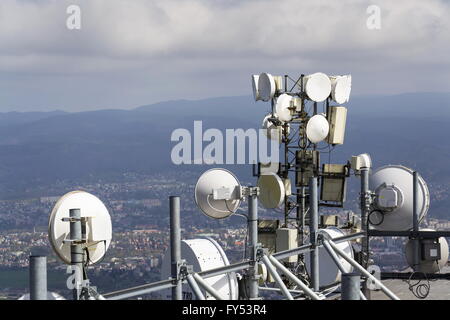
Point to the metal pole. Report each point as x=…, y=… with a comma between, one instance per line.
x=338, y=263
x=198, y=293
x=175, y=246
x=207, y=287
x=365, y=207
x=38, y=278
x=364, y=213
x=291, y=276
x=416, y=241
x=313, y=229
x=361, y=269
x=139, y=291
x=76, y=251
x=350, y=286
x=252, y=245
x=277, y=278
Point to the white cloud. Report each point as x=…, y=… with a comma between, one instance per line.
x=181, y=40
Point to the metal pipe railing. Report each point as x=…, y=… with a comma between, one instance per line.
x=207, y=287
x=226, y=269
x=291, y=276
x=277, y=278
x=307, y=247
x=361, y=269
x=338, y=263
x=140, y=290
x=150, y=287
x=193, y=284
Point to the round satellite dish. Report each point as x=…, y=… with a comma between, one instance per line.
x=317, y=86
x=329, y=273
x=271, y=190
x=341, y=87
x=203, y=254
x=217, y=193
x=266, y=86
x=282, y=105
x=393, y=187
x=428, y=266
x=98, y=226
x=317, y=128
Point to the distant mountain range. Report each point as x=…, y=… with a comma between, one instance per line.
x=43, y=147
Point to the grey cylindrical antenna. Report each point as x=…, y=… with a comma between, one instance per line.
x=175, y=246
x=38, y=278
x=252, y=244
x=76, y=251
x=351, y=286
x=314, y=227
x=416, y=241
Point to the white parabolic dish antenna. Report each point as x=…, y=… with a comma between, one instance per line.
x=317, y=86
x=217, y=193
x=271, y=190
x=204, y=254
x=266, y=86
x=393, y=187
x=317, y=128
x=329, y=273
x=98, y=225
x=282, y=106
x=341, y=86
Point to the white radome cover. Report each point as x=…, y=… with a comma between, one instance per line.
x=341, y=87
x=203, y=254
x=282, y=106
x=317, y=128
x=317, y=86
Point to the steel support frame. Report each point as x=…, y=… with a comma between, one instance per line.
x=361, y=269
x=166, y=284
x=338, y=263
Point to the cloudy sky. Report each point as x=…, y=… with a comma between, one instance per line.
x=135, y=52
